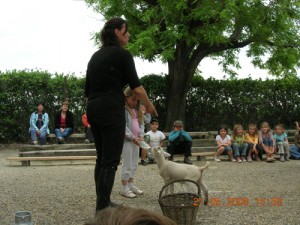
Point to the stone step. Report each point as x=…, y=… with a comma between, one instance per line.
x=204, y=149
x=24, y=148
x=66, y=152
x=204, y=142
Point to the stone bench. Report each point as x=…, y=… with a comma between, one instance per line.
x=73, y=138
x=26, y=160
x=204, y=145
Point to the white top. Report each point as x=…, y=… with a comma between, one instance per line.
x=223, y=141
x=156, y=138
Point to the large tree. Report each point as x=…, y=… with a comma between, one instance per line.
x=183, y=32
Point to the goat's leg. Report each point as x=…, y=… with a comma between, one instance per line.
x=204, y=191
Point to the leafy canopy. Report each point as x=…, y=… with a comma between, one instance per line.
x=213, y=28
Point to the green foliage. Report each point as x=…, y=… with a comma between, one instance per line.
x=156, y=87
x=160, y=28
x=21, y=90
x=213, y=102
x=210, y=102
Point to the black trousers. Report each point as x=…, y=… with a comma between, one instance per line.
x=184, y=147
x=107, y=119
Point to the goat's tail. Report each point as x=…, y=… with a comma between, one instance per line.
x=204, y=167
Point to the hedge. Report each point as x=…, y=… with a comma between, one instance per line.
x=210, y=102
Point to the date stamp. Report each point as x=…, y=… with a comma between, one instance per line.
x=240, y=201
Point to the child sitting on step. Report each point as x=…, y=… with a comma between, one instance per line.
x=281, y=143
x=223, y=144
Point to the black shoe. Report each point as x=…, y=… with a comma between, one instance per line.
x=187, y=160
x=144, y=163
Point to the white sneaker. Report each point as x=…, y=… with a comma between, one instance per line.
x=136, y=191
x=217, y=159
x=233, y=159
x=127, y=193
x=239, y=160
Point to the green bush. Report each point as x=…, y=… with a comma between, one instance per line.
x=210, y=102
x=21, y=90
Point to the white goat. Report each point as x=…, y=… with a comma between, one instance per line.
x=171, y=171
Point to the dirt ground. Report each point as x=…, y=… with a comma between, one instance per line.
x=63, y=193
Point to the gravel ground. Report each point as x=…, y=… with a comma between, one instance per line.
x=63, y=193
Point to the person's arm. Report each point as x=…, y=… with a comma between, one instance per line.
x=32, y=121
x=173, y=135
x=84, y=120
x=232, y=139
x=248, y=138
x=162, y=138
x=141, y=94
x=87, y=85
x=227, y=141
x=128, y=134
x=186, y=135
x=45, y=122
x=218, y=140
x=274, y=142
x=260, y=140
x=286, y=139
x=255, y=139
x=134, y=82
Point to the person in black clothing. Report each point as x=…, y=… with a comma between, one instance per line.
x=109, y=70
x=64, y=123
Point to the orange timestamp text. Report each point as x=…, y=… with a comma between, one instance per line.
x=240, y=201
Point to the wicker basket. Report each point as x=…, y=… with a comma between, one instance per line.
x=178, y=204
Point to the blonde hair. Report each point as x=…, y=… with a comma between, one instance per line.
x=265, y=124
x=123, y=215
x=235, y=128
x=129, y=93
x=254, y=126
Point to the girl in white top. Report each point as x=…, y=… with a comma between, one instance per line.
x=223, y=144
x=130, y=154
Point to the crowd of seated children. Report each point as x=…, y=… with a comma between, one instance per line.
x=240, y=146
x=253, y=143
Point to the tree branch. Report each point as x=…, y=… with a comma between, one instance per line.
x=205, y=49
x=270, y=43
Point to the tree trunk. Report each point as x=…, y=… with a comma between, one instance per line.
x=179, y=78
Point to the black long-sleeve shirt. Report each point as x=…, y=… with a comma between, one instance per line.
x=110, y=69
